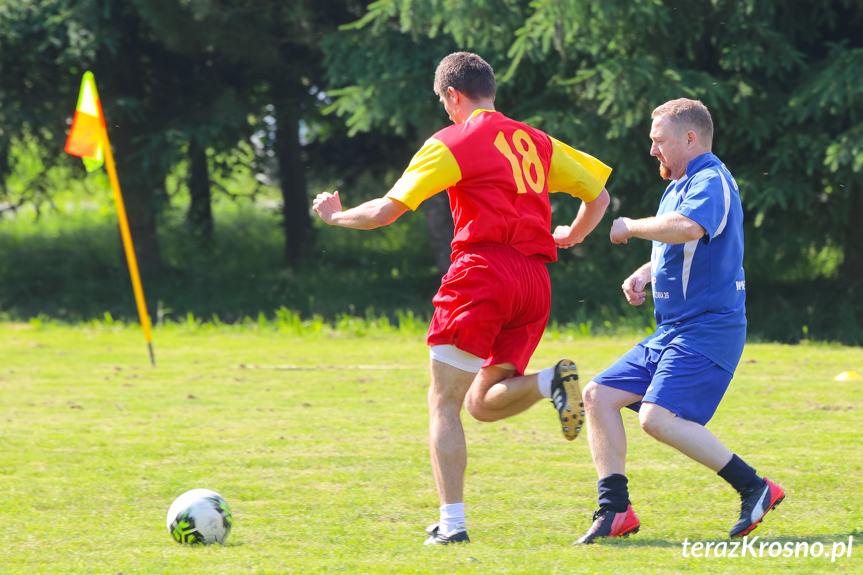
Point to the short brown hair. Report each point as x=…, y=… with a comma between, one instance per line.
x=692, y=114
x=466, y=72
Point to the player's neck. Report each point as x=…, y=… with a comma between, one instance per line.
x=485, y=104
x=469, y=111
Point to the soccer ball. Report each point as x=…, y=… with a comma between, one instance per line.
x=199, y=516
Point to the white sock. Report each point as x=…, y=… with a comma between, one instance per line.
x=452, y=518
x=543, y=381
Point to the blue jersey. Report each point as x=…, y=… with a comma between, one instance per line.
x=699, y=288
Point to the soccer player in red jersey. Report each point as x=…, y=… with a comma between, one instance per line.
x=493, y=303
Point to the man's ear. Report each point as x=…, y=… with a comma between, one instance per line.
x=454, y=95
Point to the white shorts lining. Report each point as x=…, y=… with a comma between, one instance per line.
x=451, y=355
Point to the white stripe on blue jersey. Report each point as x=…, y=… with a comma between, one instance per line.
x=699, y=286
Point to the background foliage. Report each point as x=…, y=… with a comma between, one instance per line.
x=226, y=117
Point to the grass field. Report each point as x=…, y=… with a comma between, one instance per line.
x=316, y=437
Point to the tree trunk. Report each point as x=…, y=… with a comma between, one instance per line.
x=441, y=229
x=141, y=187
x=436, y=209
x=200, y=214
x=292, y=178
x=4, y=167
x=141, y=211
x=141, y=174
x=851, y=270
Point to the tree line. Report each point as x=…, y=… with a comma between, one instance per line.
x=336, y=90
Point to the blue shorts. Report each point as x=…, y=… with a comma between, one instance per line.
x=682, y=381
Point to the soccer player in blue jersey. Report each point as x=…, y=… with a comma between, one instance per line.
x=676, y=377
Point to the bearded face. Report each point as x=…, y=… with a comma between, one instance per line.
x=669, y=146
x=664, y=172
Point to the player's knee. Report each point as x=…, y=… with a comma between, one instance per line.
x=477, y=410
x=591, y=395
x=648, y=423
x=652, y=420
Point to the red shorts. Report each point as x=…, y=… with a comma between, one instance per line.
x=494, y=303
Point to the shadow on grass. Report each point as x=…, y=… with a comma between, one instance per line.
x=846, y=538
x=635, y=541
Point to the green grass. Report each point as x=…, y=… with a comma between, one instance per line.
x=316, y=436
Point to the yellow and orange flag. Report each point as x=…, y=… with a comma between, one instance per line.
x=88, y=139
x=88, y=134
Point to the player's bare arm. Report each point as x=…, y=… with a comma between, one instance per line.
x=589, y=215
x=670, y=228
x=634, y=286
x=366, y=216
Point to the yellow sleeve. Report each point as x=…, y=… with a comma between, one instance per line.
x=576, y=173
x=432, y=169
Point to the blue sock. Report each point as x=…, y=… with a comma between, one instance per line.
x=613, y=493
x=741, y=476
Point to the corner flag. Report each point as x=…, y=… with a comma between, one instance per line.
x=88, y=139
x=88, y=133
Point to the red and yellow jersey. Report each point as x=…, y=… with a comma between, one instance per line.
x=498, y=173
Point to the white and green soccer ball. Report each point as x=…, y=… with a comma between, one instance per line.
x=199, y=516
